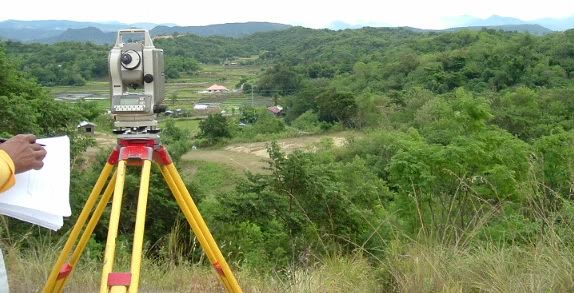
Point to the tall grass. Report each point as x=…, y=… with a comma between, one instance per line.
x=410, y=266
x=428, y=262
x=539, y=267
x=28, y=270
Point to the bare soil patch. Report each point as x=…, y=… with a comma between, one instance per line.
x=253, y=157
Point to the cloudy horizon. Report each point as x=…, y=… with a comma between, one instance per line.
x=438, y=14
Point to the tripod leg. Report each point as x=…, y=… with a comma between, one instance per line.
x=95, y=218
x=192, y=222
x=221, y=265
x=113, y=225
x=140, y=226
x=52, y=278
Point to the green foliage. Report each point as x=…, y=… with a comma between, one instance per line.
x=267, y=123
x=306, y=203
x=214, y=128
x=248, y=114
x=443, y=119
x=444, y=188
x=62, y=63
x=304, y=100
x=256, y=123
x=308, y=122
x=530, y=114
x=176, y=65
x=556, y=155
x=278, y=80
x=333, y=106
x=177, y=140
x=27, y=108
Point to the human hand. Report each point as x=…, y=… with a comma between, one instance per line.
x=25, y=152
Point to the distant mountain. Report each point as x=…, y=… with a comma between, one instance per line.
x=53, y=31
x=27, y=34
x=89, y=34
x=555, y=24
x=534, y=29
x=494, y=20
x=226, y=30
x=341, y=25
x=560, y=24
x=523, y=28
x=62, y=25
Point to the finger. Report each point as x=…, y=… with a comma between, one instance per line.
x=38, y=165
x=37, y=147
x=28, y=137
x=40, y=154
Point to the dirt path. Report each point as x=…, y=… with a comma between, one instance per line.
x=253, y=156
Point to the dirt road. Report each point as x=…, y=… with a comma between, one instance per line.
x=253, y=156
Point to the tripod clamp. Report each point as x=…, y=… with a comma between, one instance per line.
x=135, y=149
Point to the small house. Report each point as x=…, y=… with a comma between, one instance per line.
x=276, y=110
x=87, y=127
x=216, y=88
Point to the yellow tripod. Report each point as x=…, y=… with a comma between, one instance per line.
x=137, y=150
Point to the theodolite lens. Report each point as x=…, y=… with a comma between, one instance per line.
x=126, y=58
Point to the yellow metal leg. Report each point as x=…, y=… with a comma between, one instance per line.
x=51, y=282
x=88, y=231
x=119, y=289
x=113, y=226
x=140, y=227
x=192, y=222
x=184, y=193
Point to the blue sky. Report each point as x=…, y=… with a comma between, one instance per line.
x=314, y=14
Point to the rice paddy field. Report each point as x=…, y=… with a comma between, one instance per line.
x=185, y=92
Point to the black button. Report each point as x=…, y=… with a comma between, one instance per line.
x=148, y=78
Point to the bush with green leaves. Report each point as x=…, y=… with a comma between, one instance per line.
x=555, y=157
x=308, y=204
x=214, y=128
x=309, y=122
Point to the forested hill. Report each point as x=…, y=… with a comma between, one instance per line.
x=376, y=59
x=534, y=29
x=224, y=30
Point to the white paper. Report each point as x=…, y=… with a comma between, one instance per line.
x=42, y=197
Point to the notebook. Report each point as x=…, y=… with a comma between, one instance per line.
x=42, y=197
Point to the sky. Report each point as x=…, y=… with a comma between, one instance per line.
x=435, y=14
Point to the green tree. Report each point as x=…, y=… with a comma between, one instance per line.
x=214, y=128
x=336, y=106
x=279, y=79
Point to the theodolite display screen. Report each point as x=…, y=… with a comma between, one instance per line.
x=130, y=101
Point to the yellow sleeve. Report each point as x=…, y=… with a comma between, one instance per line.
x=7, y=168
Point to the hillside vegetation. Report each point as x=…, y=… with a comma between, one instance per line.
x=462, y=179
